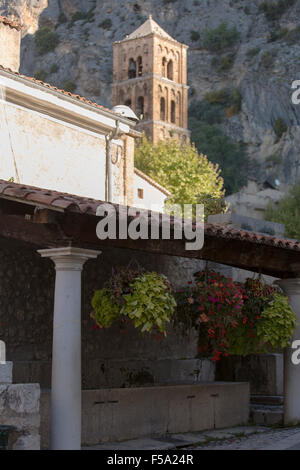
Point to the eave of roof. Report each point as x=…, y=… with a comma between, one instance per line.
x=152, y=182
x=45, y=218
x=67, y=202
x=75, y=97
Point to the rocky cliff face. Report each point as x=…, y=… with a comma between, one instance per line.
x=262, y=64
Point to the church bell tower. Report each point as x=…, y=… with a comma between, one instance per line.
x=150, y=76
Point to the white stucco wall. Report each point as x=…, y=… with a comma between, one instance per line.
x=153, y=199
x=53, y=154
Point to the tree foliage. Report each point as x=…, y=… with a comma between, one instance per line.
x=191, y=178
x=287, y=212
x=45, y=40
x=220, y=38
x=221, y=150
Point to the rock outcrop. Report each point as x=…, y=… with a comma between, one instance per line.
x=263, y=62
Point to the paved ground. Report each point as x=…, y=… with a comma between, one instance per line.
x=238, y=438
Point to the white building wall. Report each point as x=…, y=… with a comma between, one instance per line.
x=52, y=154
x=153, y=198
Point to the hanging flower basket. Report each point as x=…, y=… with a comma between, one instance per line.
x=234, y=318
x=131, y=295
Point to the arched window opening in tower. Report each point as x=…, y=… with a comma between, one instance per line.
x=128, y=103
x=140, y=66
x=132, y=69
x=164, y=62
x=173, y=112
x=162, y=109
x=170, y=70
x=140, y=107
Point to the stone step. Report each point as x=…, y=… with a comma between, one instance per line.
x=267, y=415
x=266, y=399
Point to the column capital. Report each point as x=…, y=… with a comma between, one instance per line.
x=69, y=258
x=290, y=286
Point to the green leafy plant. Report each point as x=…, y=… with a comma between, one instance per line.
x=226, y=62
x=195, y=36
x=252, y=52
x=287, y=212
x=106, y=24
x=225, y=97
x=235, y=318
x=145, y=298
x=274, y=159
x=54, y=68
x=280, y=127
x=220, y=38
x=243, y=339
x=220, y=149
x=267, y=59
x=45, y=40
x=274, y=10
x=191, y=178
x=105, y=310
x=278, y=321
x=40, y=75
x=69, y=86
x=215, y=305
x=277, y=35
x=151, y=303
x=61, y=19
x=87, y=16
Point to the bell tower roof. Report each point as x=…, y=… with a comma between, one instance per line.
x=149, y=27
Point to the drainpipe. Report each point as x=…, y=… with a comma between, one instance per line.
x=108, y=170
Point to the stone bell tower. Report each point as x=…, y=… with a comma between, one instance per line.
x=150, y=76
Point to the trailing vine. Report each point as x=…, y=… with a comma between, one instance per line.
x=144, y=298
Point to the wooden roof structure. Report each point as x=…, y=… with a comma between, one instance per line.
x=46, y=219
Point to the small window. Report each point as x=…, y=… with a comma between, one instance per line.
x=173, y=112
x=140, y=107
x=140, y=66
x=132, y=69
x=170, y=70
x=162, y=109
x=140, y=193
x=128, y=103
x=163, y=64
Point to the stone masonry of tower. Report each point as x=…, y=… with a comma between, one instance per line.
x=150, y=76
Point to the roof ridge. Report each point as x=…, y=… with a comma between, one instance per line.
x=150, y=26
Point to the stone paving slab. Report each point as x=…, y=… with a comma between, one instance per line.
x=176, y=441
x=135, y=444
x=270, y=439
x=190, y=438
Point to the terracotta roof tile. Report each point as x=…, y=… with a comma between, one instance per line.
x=73, y=203
x=11, y=22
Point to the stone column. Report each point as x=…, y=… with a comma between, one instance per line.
x=66, y=351
x=291, y=390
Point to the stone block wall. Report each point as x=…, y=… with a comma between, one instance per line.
x=19, y=407
x=109, y=359
x=264, y=372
